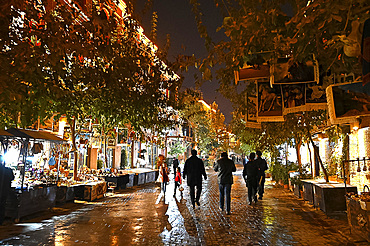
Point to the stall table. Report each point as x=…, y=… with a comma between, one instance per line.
x=27, y=202
x=307, y=186
x=120, y=181
x=150, y=176
x=90, y=191
x=65, y=194
x=330, y=197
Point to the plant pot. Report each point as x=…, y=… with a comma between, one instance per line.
x=286, y=186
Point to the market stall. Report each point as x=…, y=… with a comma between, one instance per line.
x=27, y=153
x=328, y=196
x=90, y=191
x=119, y=180
x=308, y=192
x=30, y=201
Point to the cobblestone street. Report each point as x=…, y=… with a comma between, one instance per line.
x=143, y=216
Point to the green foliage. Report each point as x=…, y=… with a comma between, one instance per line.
x=88, y=68
x=317, y=27
x=100, y=164
x=177, y=149
x=280, y=171
x=124, y=162
x=297, y=180
x=207, y=124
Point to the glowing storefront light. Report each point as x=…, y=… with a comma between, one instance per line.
x=11, y=157
x=361, y=141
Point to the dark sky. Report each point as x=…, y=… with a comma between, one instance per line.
x=176, y=18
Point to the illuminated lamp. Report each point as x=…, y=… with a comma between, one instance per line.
x=62, y=124
x=356, y=125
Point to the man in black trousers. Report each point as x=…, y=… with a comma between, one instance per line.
x=262, y=167
x=193, y=172
x=225, y=168
x=250, y=174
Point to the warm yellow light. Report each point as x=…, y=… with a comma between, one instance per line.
x=62, y=124
x=207, y=105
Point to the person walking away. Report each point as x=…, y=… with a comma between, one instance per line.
x=250, y=174
x=178, y=181
x=163, y=176
x=175, y=165
x=225, y=168
x=6, y=177
x=193, y=172
x=262, y=167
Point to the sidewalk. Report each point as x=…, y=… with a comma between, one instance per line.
x=143, y=216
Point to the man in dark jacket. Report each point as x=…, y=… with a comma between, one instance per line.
x=225, y=168
x=6, y=177
x=262, y=167
x=193, y=171
x=250, y=174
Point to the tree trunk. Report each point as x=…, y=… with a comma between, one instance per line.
x=132, y=152
x=298, y=150
x=309, y=151
x=318, y=157
x=74, y=148
x=106, y=151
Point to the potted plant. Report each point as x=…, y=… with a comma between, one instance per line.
x=296, y=181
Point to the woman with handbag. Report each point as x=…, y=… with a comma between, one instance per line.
x=163, y=175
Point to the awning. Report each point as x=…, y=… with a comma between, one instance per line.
x=5, y=133
x=31, y=134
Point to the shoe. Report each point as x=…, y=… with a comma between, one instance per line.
x=249, y=203
x=193, y=205
x=255, y=199
x=198, y=203
x=228, y=212
x=221, y=209
x=260, y=197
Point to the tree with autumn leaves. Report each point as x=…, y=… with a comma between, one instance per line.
x=91, y=64
x=210, y=134
x=329, y=30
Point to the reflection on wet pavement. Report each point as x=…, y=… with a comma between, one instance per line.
x=144, y=216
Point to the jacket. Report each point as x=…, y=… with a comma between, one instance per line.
x=225, y=168
x=261, y=165
x=193, y=171
x=250, y=171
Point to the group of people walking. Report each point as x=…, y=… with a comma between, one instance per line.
x=194, y=172
x=254, y=176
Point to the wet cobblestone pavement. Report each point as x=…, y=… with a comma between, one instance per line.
x=143, y=216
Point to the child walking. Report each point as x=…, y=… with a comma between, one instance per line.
x=178, y=181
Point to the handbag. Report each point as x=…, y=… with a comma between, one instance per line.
x=181, y=188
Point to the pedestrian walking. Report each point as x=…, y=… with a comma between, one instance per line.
x=225, y=168
x=160, y=160
x=175, y=165
x=193, y=172
x=262, y=167
x=163, y=176
x=178, y=181
x=250, y=174
x=6, y=177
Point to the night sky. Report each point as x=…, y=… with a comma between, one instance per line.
x=176, y=18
